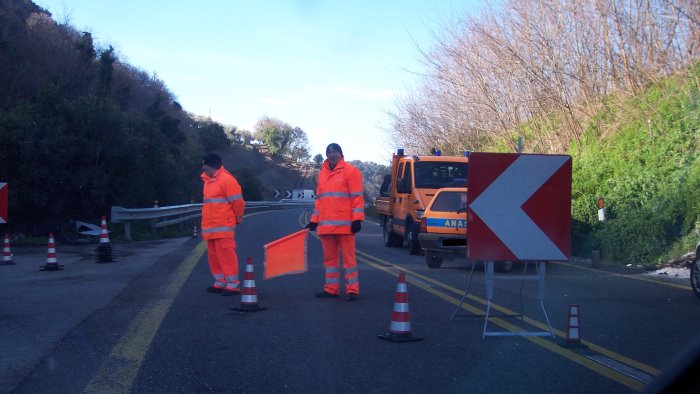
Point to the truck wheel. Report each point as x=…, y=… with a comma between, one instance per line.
x=390, y=239
x=412, y=240
x=432, y=260
x=695, y=275
x=504, y=266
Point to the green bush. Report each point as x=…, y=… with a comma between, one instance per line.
x=647, y=170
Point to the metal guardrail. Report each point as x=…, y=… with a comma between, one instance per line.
x=166, y=216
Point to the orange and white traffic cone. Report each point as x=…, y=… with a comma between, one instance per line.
x=104, y=233
x=400, y=327
x=104, y=249
x=6, y=252
x=51, y=259
x=249, y=296
x=573, y=327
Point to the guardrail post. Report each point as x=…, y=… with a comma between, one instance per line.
x=127, y=230
x=154, y=221
x=193, y=222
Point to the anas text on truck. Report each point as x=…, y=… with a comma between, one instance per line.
x=409, y=188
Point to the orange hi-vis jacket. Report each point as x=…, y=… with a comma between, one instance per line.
x=222, y=206
x=339, y=199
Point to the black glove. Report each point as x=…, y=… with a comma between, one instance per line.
x=312, y=226
x=356, y=226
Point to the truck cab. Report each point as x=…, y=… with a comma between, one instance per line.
x=443, y=232
x=410, y=187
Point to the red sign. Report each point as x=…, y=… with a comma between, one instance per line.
x=3, y=202
x=519, y=207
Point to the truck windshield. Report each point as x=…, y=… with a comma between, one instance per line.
x=434, y=175
x=450, y=202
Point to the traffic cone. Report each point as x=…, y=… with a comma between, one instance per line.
x=51, y=260
x=104, y=249
x=104, y=233
x=400, y=327
x=573, y=327
x=194, y=233
x=6, y=252
x=249, y=297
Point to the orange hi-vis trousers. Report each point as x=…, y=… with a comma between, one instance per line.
x=334, y=246
x=223, y=263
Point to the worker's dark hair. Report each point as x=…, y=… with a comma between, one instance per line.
x=334, y=147
x=212, y=160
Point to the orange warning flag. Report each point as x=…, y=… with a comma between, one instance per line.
x=286, y=256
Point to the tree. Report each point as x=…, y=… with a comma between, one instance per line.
x=318, y=160
x=245, y=136
x=212, y=136
x=86, y=48
x=107, y=60
x=283, y=140
x=269, y=131
x=298, y=146
x=240, y=137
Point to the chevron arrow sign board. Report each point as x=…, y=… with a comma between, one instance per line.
x=519, y=207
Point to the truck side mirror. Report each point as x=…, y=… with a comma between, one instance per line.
x=401, y=185
x=384, y=190
x=408, y=180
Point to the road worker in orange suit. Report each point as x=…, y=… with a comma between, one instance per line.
x=337, y=216
x=222, y=210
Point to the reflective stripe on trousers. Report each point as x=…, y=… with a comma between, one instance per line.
x=335, y=246
x=223, y=263
x=219, y=281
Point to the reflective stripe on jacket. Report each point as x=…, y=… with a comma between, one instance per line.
x=339, y=199
x=222, y=206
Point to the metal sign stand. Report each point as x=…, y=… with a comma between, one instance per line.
x=539, y=275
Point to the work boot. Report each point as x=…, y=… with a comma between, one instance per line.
x=325, y=294
x=230, y=292
x=213, y=289
x=352, y=297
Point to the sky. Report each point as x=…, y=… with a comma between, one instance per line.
x=331, y=68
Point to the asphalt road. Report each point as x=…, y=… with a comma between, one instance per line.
x=38, y=309
x=145, y=324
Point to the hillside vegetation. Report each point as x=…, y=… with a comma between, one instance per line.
x=642, y=155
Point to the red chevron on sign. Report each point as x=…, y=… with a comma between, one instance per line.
x=519, y=207
x=3, y=202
